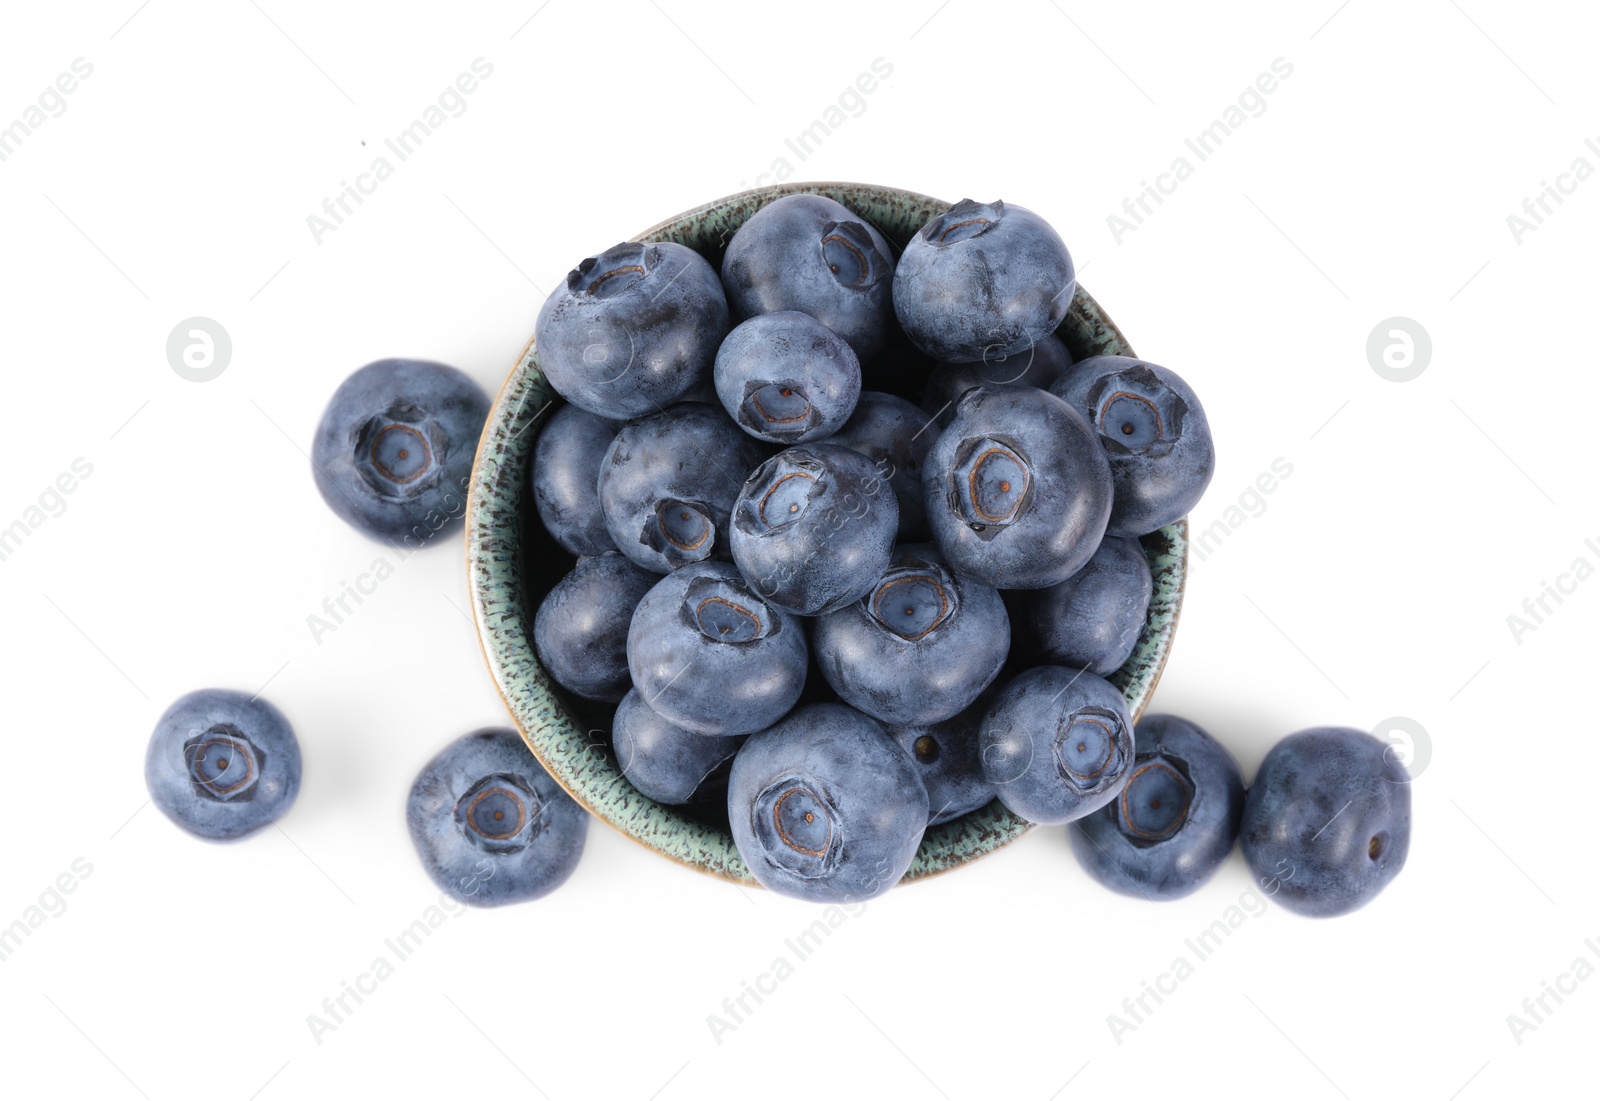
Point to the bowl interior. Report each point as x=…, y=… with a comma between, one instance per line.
x=512, y=562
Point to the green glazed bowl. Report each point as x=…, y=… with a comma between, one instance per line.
x=512, y=563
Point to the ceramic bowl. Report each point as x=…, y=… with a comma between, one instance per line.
x=512, y=563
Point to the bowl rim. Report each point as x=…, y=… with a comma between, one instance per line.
x=992, y=827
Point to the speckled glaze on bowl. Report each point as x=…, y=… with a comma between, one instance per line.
x=502, y=525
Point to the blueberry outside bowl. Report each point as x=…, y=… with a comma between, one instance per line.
x=512, y=563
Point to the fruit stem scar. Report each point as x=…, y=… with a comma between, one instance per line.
x=777, y=822
x=404, y=453
x=1127, y=428
x=949, y=229
x=1005, y=486
x=766, y=497
x=472, y=817
x=630, y=269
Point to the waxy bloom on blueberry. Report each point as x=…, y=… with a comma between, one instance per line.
x=1327, y=820
x=813, y=527
x=632, y=330
x=981, y=281
x=812, y=254
x=786, y=378
x=668, y=481
x=1017, y=488
x=919, y=646
x=1057, y=744
x=664, y=761
x=710, y=655
x=1155, y=435
x=566, y=465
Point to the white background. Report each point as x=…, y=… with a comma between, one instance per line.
x=1374, y=582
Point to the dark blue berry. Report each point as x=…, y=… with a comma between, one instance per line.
x=394, y=449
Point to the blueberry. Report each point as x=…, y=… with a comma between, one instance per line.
x=581, y=630
x=490, y=825
x=711, y=656
x=1017, y=488
x=982, y=280
x=1092, y=619
x=813, y=527
x=1175, y=821
x=394, y=449
x=1038, y=365
x=949, y=759
x=896, y=436
x=222, y=764
x=919, y=646
x=1154, y=432
x=566, y=466
x=825, y=807
x=1327, y=822
x=1057, y=744
x=664, y=761
x=785, y=377
x=667, y=484
x=632, y=330
x=809, y=253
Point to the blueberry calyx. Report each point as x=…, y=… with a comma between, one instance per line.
x=784, y=488
x=618, y=269
x=724, y=612
x=224, y=765
x=1089, y=747
x=913, y=601
x=399, y=452
x=1137, y=412
x=499, y=814
x=993, y=483
x=778, y=409
x=851, y=256
x=680, y=531
x=962, y=222
x=1155, y=803
x=799, y=821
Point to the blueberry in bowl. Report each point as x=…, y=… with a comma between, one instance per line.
x=668, y=482
x=634, y=329
x=813, y=254
x=1174, y=822
x=222, y=765
x=710, y=655
x=824, y=807
x=663, y=760
x=1155, y=435
x=1017, y=488
x=949, y=757
x=786, y=378
x=1092, y=619
x=489, y=824
x=566, y=467
x=919, y=646
x=393, y=452
x=581, y=630
x=896, y=436
x=512, y=562
x=1038, y=365
x=813, y=527
x=983, y=280
x=1057, y=743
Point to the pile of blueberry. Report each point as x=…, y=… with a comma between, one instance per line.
x=855, y=545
